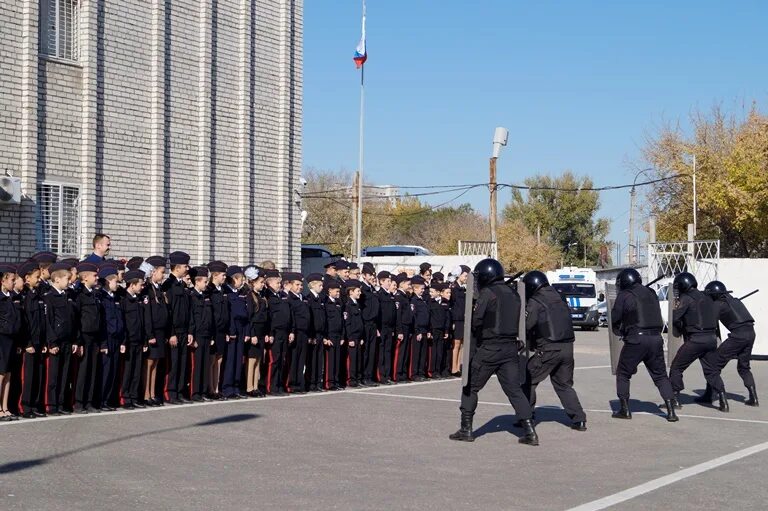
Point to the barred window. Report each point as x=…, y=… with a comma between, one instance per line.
x=60, y=28
x=59, y=218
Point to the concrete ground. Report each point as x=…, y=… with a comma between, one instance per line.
x=387, y=448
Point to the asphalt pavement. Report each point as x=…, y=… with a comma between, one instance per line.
x=388, y=448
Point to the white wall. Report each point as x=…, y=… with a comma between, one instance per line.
x=743, y=276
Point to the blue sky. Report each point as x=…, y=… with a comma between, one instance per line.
x=579, y=85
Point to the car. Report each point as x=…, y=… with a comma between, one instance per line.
x=395, y=251
x=602, y=314
x=315, y=257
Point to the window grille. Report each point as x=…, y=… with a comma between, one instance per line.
x=60, y=28
x=59, y=215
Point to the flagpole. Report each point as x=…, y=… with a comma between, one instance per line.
x=359, y=226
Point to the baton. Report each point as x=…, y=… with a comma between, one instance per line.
x=654, y=281
x=514, y=277
x=749, y=294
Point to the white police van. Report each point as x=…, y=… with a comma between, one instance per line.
x=577, y=287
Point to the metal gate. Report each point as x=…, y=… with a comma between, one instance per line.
x=700, y=258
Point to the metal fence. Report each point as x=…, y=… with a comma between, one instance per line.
x=478, y=248
x=701, y=258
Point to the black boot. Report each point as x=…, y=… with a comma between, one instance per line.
x=706, y=397
x=529, y=437
x=752, y=401
x=519, y=423
x=623, y=412
x=671, y=416
x=722, y=402
x=579, y=426
x=464, y=434
x=676, y=401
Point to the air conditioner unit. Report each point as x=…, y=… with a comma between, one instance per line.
x=10, y=190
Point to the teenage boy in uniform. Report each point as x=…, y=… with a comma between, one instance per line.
x=32, y=402
x=134, y=345
x=114, y=322
x=388, y=325
x=334, y=335
x=301, y=319
x=60, y=335
x=353, y=332
x=404, y=327
x=201, y=327
x=317, y=332
x=91, y=340
x=371, y=308
x=421, y=334
x=180, y=339
x=280, y=332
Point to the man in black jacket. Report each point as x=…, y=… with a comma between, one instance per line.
x=388, y=325
x=134, y=344
x=316, y=333
x=371, y=309
x=91, y=339
x=202, y=329
x=301, y=320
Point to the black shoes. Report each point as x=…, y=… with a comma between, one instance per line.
x=579, y=426
x=706, y=397
x=464, y=434
x=671, y=416
x=676, y=401
x=623, y=412
x=752, y=401
x=529, y=433
x=722, y=402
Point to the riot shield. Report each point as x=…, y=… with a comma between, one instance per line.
x=674, y=338
x=615, y=342
x=522, y=334
x=469, y=342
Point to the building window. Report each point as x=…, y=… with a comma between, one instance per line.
x=59, y=215
x=60, y=28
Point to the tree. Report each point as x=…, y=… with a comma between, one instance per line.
x=564, y=212
x=731, y=178
x=402, y=221
x=519, y=249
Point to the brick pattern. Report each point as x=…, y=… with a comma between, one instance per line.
x=181, y=124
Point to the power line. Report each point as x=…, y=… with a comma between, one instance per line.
x=590, y=188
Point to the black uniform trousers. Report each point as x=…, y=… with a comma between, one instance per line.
x=233, y=366
x=177, y=376
x=276, y=351
x=370, y=351
x=353, y=365
x=315, y=364
x=402, y=356
x=58, y=369
x=332, y=359
x=649, y=349
x=32, y=374
x=700, y=347
x=110, y=367
x=134, y=356
x=555, y=361
x=418, y=356
x=502, y=360
x=89, y=376
x=297, y=351
x=737, y=346
x=385, y=353
x=201, y=368
x=436, y=353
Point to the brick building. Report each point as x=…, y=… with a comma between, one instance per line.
x=168, y=124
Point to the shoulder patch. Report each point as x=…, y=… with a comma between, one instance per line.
x=397, y=304
x=346, y=315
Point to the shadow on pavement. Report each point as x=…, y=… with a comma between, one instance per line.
x=502, y=423
x=16, y=466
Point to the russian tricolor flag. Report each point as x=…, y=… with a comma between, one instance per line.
x=361, y=53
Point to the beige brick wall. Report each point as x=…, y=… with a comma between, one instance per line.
x=181, y=123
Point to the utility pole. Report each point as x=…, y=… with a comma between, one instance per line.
x=538, y=234
x=492, y=208
x=694, y=195
x=500, y=136
x=630, y=255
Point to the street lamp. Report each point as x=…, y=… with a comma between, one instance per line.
x=500, y=137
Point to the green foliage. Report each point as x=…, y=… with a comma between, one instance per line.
x=566, y=218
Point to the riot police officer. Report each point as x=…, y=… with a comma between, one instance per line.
x=495, y=331
x=695, y=316
x=550, y=331
x=740, y=324
x=636, y=317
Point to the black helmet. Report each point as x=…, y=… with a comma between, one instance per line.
x=684, y=282
x=534, y=280
x=627, y=278
x=488, y=271
x=715, y=289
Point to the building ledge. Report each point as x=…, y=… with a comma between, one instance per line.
x=59, y=60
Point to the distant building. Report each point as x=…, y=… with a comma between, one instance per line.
x=170, y=125
x=388, y=192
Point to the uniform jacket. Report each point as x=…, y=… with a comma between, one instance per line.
x=156, y=317
x=334, y=319
x=404, y=313
x=60, y=324
x=317, y=311
x=258, y=313
x=353, y=321
x=421, y=322
x=90, y=314
x=178, y=306
x=133, y=313
x=114, y=319
x=279, y=311
x=439, y=315
x=239, y=319
x=34, y=312
x=301, y=317
x=201, y=322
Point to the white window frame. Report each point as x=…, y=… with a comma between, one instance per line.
x=58, y=248
x=53, y=42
